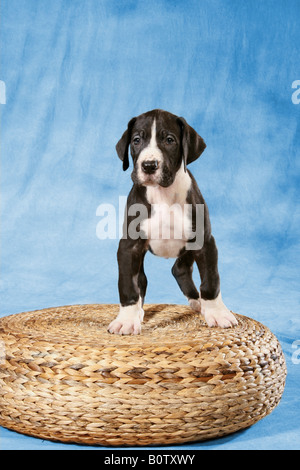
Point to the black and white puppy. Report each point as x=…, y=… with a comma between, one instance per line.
x=162, y=145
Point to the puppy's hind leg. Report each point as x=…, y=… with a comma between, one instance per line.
x=213, y=308
x=182, y=271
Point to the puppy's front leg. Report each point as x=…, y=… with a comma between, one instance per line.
x=130, y=259
x=129, y=320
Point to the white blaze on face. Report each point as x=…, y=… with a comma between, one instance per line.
x=150, y=153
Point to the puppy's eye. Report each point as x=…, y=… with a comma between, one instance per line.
x=170, y=139
x=136, y=140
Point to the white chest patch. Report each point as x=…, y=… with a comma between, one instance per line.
x=169, y=227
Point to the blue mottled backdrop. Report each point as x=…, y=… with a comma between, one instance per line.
x=75, y=72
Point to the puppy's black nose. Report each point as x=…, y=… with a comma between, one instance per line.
x=150, y=166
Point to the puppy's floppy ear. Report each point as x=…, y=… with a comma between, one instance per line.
x=123, y=144
x=192, y=144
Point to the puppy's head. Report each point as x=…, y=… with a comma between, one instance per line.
x=159, y=142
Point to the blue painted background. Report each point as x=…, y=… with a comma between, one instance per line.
x=75, y=72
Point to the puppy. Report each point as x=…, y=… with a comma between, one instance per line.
x=162, y=145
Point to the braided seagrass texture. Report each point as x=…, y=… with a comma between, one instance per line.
x=63, y=377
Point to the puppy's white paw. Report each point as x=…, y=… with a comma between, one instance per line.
x=224, y=319
x=217, y=314
x=195, y=304
x=122, y=327
x=129, y=320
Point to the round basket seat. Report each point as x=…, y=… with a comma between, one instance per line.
x=63, y=377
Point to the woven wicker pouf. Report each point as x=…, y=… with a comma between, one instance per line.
x=63, y=377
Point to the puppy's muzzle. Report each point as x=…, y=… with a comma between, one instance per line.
x=149, y=166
